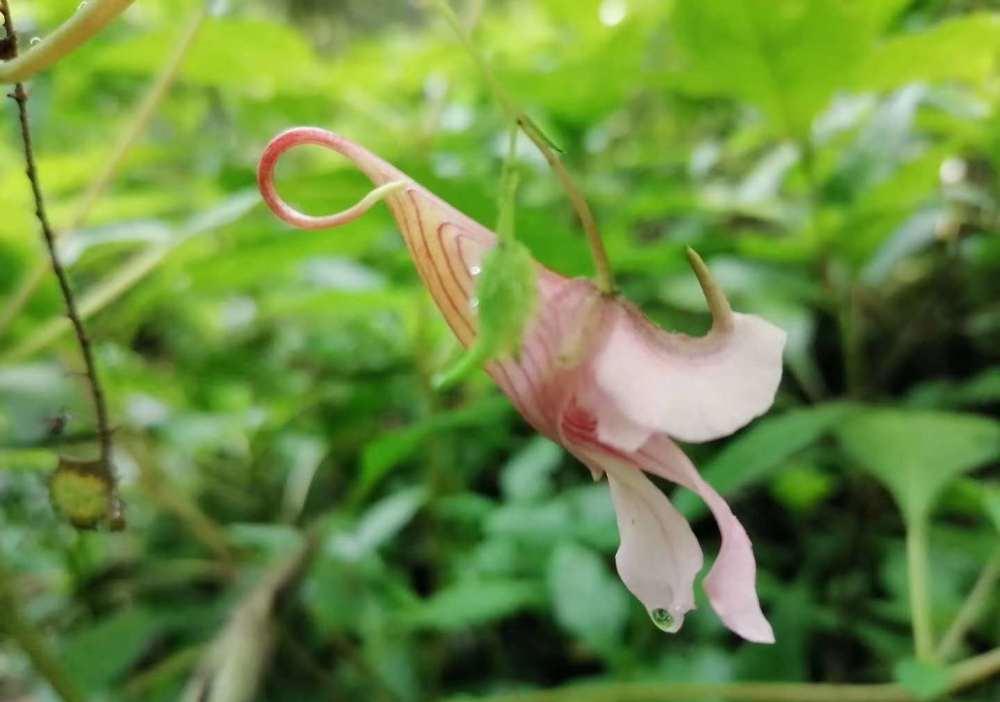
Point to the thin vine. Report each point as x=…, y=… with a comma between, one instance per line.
x=20, y=97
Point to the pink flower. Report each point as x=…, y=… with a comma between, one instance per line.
x=596, y=376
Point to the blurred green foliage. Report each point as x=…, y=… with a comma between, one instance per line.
x=836, y=161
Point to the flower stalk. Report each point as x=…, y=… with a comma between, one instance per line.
x=605, y=279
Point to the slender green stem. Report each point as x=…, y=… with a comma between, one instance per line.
x=920, y=606
x=602, y=265
x=605, y=274
x=508, y=190
x=962, y=676
x=22, y=632
x=971, y=609
x=90, y=18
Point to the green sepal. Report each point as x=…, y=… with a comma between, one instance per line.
x=507, y=291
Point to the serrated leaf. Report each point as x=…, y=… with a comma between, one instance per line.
x=916, y=453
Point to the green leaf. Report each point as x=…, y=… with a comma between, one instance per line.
x=925, y=681
x=475, y=602
x=963, y=48
x=97, y=655
x=392, y=448
x=528, y=474
x=220, y=57
x=991, y=503
x=787, y=57
x=589, y=601
x=915, y=453
x=380, y=524
x=388, y=516
x=802, y=486
x=762, y=449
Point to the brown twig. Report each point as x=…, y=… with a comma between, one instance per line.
x=20, y=96
x=128, y=136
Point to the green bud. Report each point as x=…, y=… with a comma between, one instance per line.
x=82, y=491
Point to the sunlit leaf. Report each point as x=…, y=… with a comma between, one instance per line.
x=962, y=48
x=787, y=57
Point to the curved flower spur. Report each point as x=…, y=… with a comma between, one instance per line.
x=600, y=379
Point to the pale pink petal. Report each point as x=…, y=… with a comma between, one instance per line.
x=731, y=583
x=691, y=388
x=658, y=556
x=598, y=377
x=614, y=427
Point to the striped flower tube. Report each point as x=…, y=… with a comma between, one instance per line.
x=597, y=377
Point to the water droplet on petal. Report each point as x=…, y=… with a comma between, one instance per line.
x=34, y=40
x=475, y=270
x=664, y=620
x=473, y=302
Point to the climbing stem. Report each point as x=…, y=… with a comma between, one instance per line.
x=129, y=134
x=20, y=97
x=602, y=265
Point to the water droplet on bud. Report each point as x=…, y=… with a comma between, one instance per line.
x=473, y=302
x=34, y=40
x=475, y=270
x=82, y=5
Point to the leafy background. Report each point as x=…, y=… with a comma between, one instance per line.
x=837, y=163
